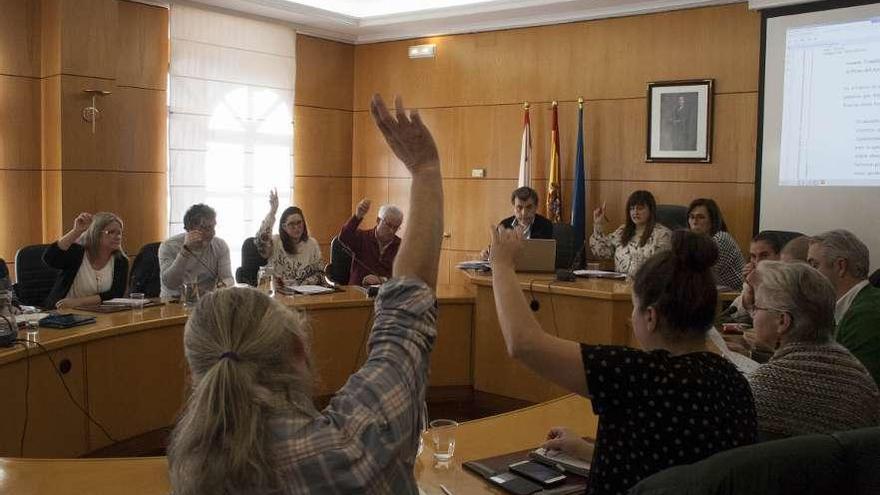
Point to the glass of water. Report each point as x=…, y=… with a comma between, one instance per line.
x=137, y=303
x=189, y=295
x=443, y=436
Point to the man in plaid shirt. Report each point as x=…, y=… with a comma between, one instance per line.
x=365, y=441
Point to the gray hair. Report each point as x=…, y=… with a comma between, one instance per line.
x=843, y=244
x=91, y=238
x=804, y=293
x=249, y=357
x=384, y=210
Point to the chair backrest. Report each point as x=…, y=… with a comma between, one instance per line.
x=340, y=262
x=251, y=261
x=844, y=462
x=875, y=278
x=673, y=217
x=564, y=235
x=783, y=235
x=4, y=271
x=34, y=278
x=145, y=275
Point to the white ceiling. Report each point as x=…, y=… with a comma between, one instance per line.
x=369, y=21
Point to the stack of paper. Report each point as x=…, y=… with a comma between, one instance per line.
x=599, y=274
x=474, y=265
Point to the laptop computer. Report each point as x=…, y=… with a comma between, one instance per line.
x=537, y=255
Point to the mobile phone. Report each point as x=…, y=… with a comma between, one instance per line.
x=544, y=475
x=514, y=484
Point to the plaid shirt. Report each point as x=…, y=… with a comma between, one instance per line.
x=365, y=441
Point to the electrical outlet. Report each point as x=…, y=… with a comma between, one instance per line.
x=478, y=172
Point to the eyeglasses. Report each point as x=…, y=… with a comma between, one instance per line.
x=294, y=223
x=112, y=232
x=755, y=308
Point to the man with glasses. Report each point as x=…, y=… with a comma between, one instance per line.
x=373, y=251
x=195, y=257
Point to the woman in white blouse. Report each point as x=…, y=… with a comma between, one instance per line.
x=293, y=255
x=636, y=240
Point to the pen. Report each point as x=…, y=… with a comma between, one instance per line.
x=445, y=490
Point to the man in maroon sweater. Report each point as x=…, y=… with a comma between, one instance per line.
x=373, y=250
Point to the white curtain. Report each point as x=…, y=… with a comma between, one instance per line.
x=230, y=119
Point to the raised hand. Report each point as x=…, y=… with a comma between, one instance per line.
x=82, y=221
x=506, y=245
x=273, y=201
x=599, y=215
x=407, y=136
x=193, y=238
x=362, y=208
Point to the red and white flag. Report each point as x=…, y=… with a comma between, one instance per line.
x=525, y=157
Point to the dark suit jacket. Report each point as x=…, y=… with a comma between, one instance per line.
x=542, y=228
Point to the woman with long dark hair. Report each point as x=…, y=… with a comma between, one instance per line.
x=636, y=240
x=292, y=254
x=704, y=217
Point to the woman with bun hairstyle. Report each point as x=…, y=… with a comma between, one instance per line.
x=673, y=402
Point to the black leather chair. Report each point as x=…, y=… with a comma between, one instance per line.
x=34, y=279
x=251, y=261
x=564, y=235
x=145, y=275
x=340, y=262
x=783, y=235
x=844, y=462
x=4, y=271
x=875, y=278
x=673, y=217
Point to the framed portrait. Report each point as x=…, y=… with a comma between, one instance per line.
x=680, y=121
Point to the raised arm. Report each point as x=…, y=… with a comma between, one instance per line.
x=556, y=359
x=413, y=144
x=263, y=239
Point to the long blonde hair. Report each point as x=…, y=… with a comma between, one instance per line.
x=91, y=238
x=249, y=357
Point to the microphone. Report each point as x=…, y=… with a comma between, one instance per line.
x=353, y=255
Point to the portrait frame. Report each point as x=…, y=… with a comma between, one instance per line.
x=680, y=121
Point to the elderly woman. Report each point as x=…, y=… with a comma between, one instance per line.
x=636, y=240
x=292, y=254
x=811, y=384
x=704, y=217
x=93, y=265
x=250, y=425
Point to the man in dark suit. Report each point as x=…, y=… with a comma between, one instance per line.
x=525, y=213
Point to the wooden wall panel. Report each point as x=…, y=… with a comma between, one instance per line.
x=50, y=122
x=142, y=129
x=82, y=149
x=19, y=211
x=471, y=96
x=20, y=38
x=142, y=60
x=50, y=38
x=323, y=200
x=325, y=73
x=89, y=37
x=322, y=142
x=142, y=206
x=608, y=58
x=20, y=127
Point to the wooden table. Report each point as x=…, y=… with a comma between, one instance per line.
x=496, y=435
x=588, y=310
x=129, y=371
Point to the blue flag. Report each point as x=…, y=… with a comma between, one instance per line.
x=579, y=192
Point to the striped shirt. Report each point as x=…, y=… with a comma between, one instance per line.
x=728, y=269
x=813, y=388
x=365, y=440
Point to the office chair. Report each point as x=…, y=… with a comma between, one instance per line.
x=842, y=462
x=339, y=267
x=673, y=217
x=251, y=261
x=34, y=278
x=145, y=274
x=783, y=235
x=875, y=278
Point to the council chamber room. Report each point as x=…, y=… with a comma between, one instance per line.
x=439, y=247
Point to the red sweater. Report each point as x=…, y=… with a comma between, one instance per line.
x=365, y=247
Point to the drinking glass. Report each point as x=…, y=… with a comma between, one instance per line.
x=189, y=295
x=137, y=303
x=266, y=280
x=443, y=436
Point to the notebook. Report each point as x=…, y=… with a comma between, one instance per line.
x=66, y=320
x=493, y=466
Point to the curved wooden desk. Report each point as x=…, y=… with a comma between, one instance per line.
x=588, y=310
x=129, y=371
x=496, y=435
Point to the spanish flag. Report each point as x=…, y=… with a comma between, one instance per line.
x=554, y=188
